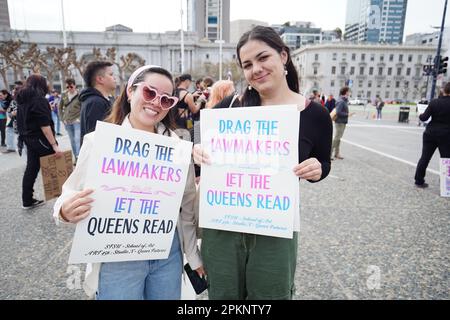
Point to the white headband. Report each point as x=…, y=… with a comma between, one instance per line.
x=137, y=72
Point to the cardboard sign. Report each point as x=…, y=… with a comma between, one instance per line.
x=445, y=177
x=138, y=180
x=55, y=172
x=250, y=186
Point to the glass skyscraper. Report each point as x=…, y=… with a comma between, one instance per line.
x=379, y=21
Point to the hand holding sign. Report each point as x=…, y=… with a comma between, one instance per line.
x=77, y=207
x=200, y=156
x=310, y=169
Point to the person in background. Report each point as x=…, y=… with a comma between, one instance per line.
x=4, y=104
x=36, y=131
x=331, y=103
x=11, y=127
x=143, y=104
x=436, y=134
x=95, y=98
x=219, y=91
x=54, y=100
x=342, y=112
x=70, y=110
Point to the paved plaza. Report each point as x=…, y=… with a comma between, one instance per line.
x=366, y=231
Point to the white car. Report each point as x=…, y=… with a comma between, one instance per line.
x=358, y=101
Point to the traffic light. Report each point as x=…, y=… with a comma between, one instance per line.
x=443, y=65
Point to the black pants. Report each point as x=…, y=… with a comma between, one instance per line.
x=3, y=131
x=36, y=148
x=432, y=139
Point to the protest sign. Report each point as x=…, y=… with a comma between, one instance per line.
x=55, y=172
x=250, y=186
x=445, y=177
x=138, y=180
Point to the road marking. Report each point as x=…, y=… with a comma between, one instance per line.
x=384, y=126
x=388, y=155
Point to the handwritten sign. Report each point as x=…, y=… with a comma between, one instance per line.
x=55, y=172
x=445, y=177
x=138, y=180
x=250, y=186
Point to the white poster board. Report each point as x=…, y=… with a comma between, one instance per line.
x=138, y=180
x=445, y=177
x=421, y=109
x=250, y=186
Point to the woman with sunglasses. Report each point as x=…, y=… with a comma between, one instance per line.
x=248, y=266
x=143, y=104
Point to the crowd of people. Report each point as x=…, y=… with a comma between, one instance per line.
x=30, y=119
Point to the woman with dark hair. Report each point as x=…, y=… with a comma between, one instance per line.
x=249, y=266
x=36, y=130
x=143, y=104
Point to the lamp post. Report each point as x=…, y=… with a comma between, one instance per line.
x=182, y=37
x=438, y=54
x=64, y=43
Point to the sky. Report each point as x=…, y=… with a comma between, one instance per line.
x=164, y=15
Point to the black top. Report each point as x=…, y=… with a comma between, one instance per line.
x=314, y=137
x=94, y=106
x=439, y=110
x=33, y=112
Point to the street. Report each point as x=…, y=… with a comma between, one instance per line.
x=366, y=231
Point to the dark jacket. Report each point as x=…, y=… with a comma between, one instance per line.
x=330, y=104
x=33, y=112
x=94, y=106
x=439, y=111
x=342, y=110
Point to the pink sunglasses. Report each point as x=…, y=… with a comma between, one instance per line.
x=149, y=95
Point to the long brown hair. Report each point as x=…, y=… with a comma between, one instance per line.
x=272, y=39
x=122, y=107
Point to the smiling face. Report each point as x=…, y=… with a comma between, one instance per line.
x=145, y=115
x=263, y=66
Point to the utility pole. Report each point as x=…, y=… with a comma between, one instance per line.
x=437, y=60
x=182, y=37
x=64, y=43
x=221, y=41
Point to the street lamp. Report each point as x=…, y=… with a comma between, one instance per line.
x=182, y=37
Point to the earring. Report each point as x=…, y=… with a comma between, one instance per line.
x=285, y=71
x=250, y=87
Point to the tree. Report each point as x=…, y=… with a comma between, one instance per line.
x=338, y=32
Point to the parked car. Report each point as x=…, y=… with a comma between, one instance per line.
x=358, y=101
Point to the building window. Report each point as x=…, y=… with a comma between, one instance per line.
x=410, y=57
x=381, y=57
x=369, y=95
x=369, y=84
x=378, y=84
x=380, y=71
x=389, y=71
x=332, y=83
x=387, y=95
x=400, y=58
x=391, y=57
x=408, y=71
x=315, y=70
x=419, y=58
x=396, y=95
x=353, y=56
x=363, y=56
x=399, y=71
x=397, y=84
x=316, y=57
x=342, y=70
x=207, y=56
x=352, y=70
x=333, y=70
x=417, y=72
x=388, y=84
x=360, y=83
x=361, y=71
x=370, y=71
x=334, y=56
x=372, y=57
